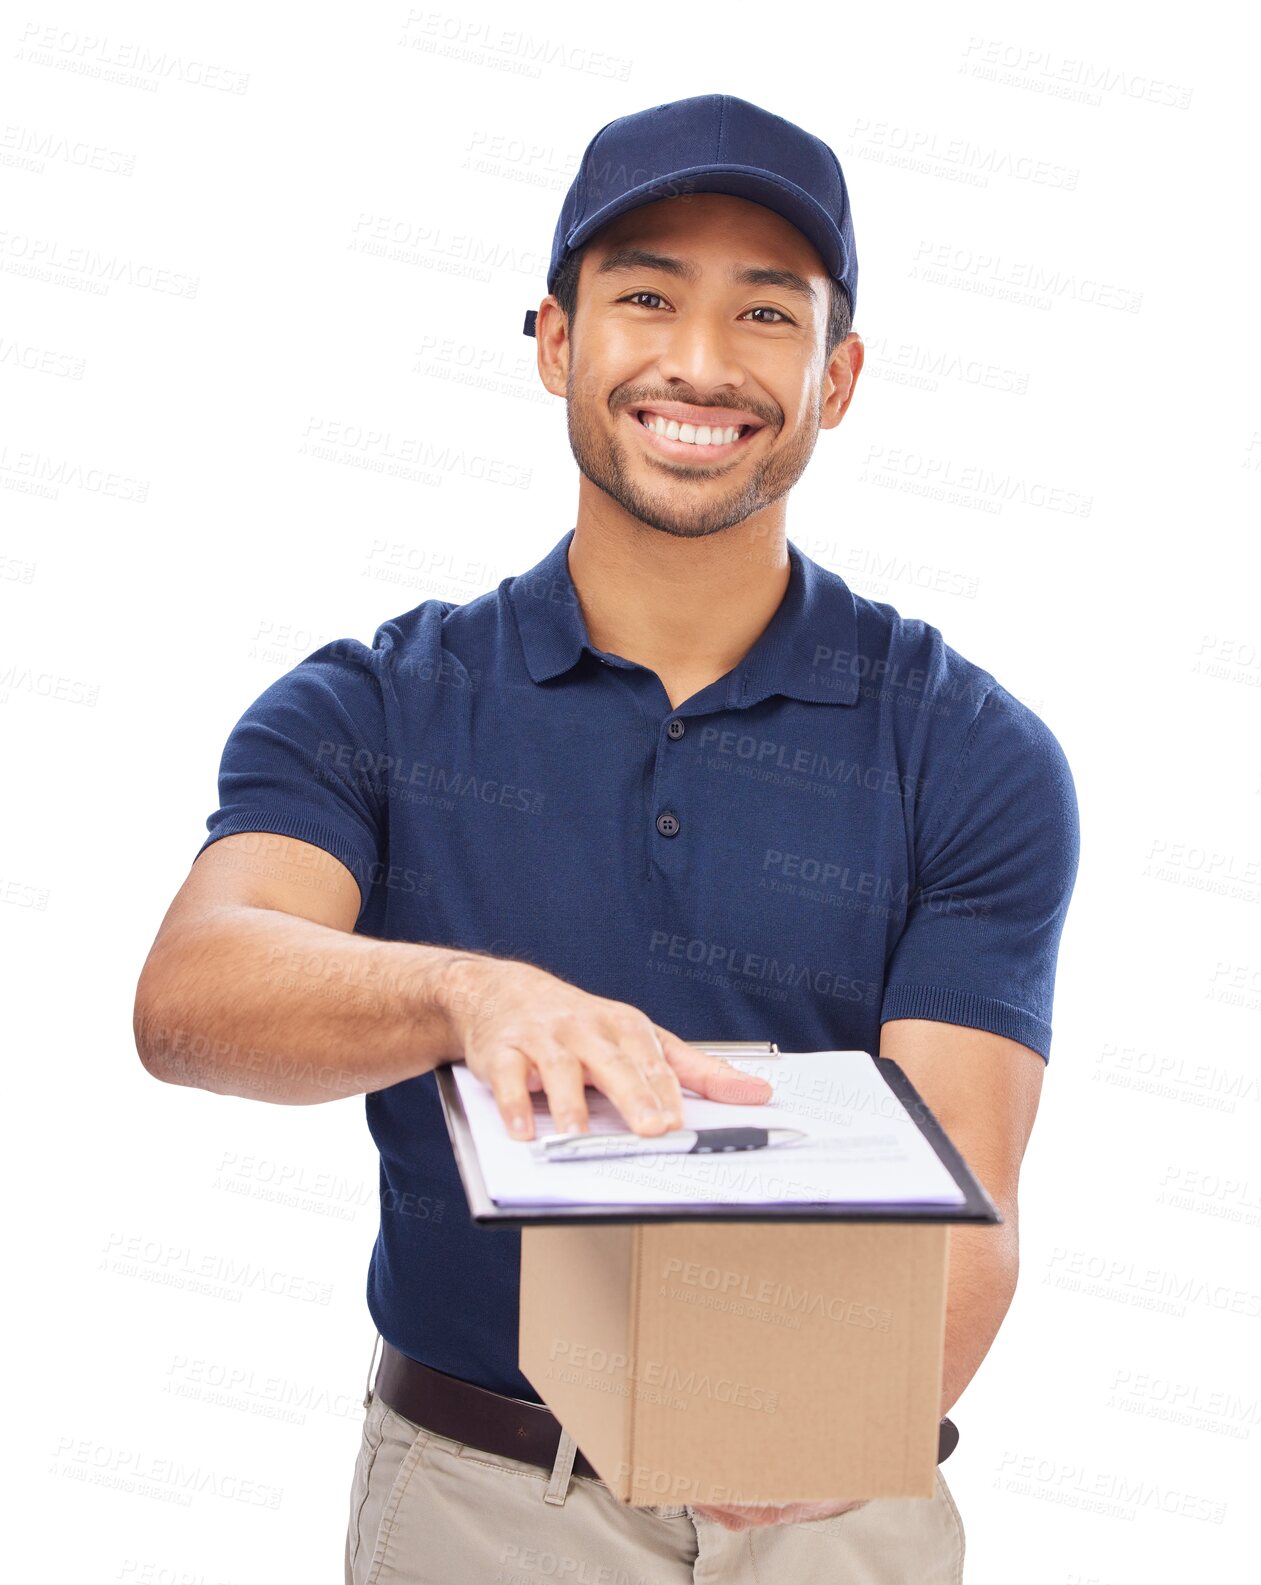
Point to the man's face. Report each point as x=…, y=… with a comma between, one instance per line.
x=674, y=328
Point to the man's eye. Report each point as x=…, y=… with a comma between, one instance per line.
x=656, y=296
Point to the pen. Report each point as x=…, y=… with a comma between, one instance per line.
x=679, y=1141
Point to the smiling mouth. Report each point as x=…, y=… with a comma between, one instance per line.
x=691, y=442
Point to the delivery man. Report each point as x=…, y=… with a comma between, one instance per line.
x=676, y=782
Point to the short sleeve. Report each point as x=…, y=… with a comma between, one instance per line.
x=304, y=760
x=996, y=865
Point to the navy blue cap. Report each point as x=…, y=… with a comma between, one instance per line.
x=713, y=143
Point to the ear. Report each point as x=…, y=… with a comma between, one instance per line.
x=551, y=331
x=839, y=380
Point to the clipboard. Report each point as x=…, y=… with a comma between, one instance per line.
x=977, y=1205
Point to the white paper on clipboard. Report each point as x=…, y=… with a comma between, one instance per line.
x=862, y=1146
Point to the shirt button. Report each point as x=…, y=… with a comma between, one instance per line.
x=676, y=729
x=667, y=825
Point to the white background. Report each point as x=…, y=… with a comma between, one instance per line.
x=1057, y=295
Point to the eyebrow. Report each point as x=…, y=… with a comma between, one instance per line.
x=623, y=259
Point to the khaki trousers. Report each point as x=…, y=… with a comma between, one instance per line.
x=424, y=1508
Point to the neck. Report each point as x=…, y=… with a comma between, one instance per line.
x=688, y=609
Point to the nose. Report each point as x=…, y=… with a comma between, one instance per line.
x=699, y=352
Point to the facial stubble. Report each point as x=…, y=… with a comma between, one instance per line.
x=685, y=506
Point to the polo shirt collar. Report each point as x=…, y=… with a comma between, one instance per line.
x=806, y=652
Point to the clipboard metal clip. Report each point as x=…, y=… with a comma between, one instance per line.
x=736, y=1048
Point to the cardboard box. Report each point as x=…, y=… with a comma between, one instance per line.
x=741, y=1362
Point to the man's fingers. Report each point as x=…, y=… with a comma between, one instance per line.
x=549, y=1068
x=618, y=1071
x=710, y=1076
x=647, y=1051
x=720, y=1516
x=512, y=1095
x=630, y=1068
x=638, y=1065
x=751, y=1517
x=741, y=1518
x=564, y=1083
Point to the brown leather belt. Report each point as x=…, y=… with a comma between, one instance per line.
x=492, y=1422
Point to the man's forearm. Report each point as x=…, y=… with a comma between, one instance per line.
x=983, y=1267
x=264, y=1005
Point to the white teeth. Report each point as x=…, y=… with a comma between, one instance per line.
x=696, y=435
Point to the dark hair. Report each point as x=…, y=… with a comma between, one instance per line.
x=839, y=317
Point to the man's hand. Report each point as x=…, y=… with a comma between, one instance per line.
x=524, y=1029
x=750, y=1518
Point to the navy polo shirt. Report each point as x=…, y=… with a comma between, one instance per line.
x=854, y=824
